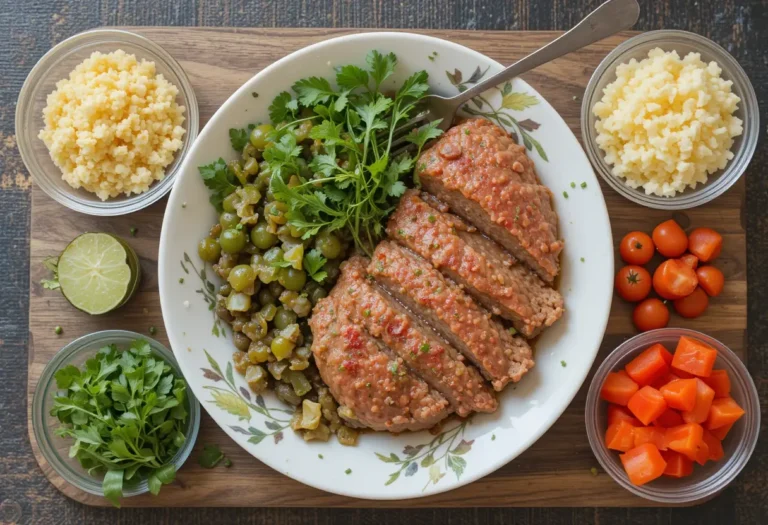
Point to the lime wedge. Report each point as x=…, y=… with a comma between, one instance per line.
x=95, y=274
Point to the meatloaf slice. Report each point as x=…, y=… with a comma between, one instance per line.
x=422, y=351
x=499, y=356
x=358, y=371
x=478, y=264
x=497, y=191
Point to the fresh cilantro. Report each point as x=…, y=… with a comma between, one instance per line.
x=283, y=108
x=125, y=412
x=212, y=456
x=52, y=265
x=313, y=90
x=381, y=66
x=238, y=138
x=219, y=180
x=351, y=77
x=313, y=264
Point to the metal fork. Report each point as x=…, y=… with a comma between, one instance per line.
x=608, y=19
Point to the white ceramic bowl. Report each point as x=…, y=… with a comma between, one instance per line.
x=408, y=465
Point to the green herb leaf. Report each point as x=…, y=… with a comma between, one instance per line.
x=217, y=178
x=313, y=264
x=381, y=66
x=313, y=90
x=113, y=486
x=238, y=138
x=351, y=77
x=210, y=456
x=283, y=108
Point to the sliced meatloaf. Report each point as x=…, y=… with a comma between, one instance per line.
x=478, y=264
x=421, y=350
x=359, y=373
x=498, y=355
x=484, y=177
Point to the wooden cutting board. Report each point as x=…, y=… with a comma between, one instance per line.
x=553, y=472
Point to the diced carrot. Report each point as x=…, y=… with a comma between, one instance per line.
x=694, y=357
x=713, y=444
x=719, y=381
x=722, y=412
x=618, y=388
x=618, y=413
x=647, y=404
x=670, y=418
x=655, y=435
x=648, y=365
x=682, y=374
x=702, y=453
x=680, y=394
x=721, y=432
x=643, y=464
x=678, y=466
x=619, y=436
x=685, y=439
x=663, y=380
x=700, y=411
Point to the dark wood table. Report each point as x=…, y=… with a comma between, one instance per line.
x=30, y=28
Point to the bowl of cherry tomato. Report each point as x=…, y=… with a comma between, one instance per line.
x=673, y=415
x=686, y=278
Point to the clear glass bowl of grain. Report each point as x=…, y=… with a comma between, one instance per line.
x=57, y=65
x=748, y=111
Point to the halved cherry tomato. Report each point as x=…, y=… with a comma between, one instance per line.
x=690, y=260
x=618, y=413
x=673, y=279
x=685, y=439
x=647, y=404
x=636, y=248
x=678, y=466
x=723, y=412
x=680, y=394
x=719, y=381
x=643, y=464
x=700, y=411
x=721, y=432
x=633, y=283
x=705, y=243
x=650, y=315
x=648, y=365
x=711, y=279
x=670, y=418
x=692, y=305
x=655, y=435
x=670, y=239
x=618, y=388
x=713, y=444
x=694, y=357
x=620, y=436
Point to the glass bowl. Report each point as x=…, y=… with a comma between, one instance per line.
x=748, y=111
x=56, y=65
x=738, y=445
x=55, y=450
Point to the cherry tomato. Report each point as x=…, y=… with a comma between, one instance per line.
x=711, y=279
x=692, y=305
x=674, y=279
x=650, y=315
x=690, y=260
x=705, y=243
x=670, y=239
x=633, y=283
x=636, y=248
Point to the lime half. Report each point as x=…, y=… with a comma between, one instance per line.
x=95, y=274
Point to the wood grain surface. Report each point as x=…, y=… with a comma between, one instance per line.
x=553, y=472
x=30, y=28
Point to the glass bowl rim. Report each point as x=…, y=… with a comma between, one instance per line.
x=41, y=70
x=742, y=156
x=720, y=478
x=69, y=474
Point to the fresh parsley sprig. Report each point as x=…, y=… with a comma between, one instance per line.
x=353, y=181
x=126, y=412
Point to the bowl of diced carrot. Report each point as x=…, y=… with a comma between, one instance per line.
x=673, y=415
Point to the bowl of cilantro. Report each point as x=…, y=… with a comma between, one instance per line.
x=112, y=415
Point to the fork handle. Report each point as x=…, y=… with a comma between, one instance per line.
x=608, y=19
